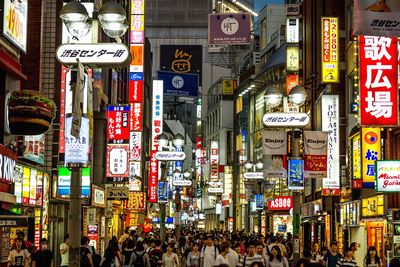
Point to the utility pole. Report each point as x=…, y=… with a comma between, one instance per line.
x=296, y=201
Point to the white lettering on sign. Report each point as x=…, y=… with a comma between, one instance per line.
x=7, y=169
x=281, y=203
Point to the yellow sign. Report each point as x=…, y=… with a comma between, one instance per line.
x=373, y=206
x=137, y=23
x=330, y=50
x=227, y=87
x=137, y=7
x=292, y=58
x=371, y=152
x=356, y=159
x=137, y=201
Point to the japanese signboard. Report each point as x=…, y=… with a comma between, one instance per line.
x=287, y=119
x=18, y=177
x=15, y=22
x=292, y=58
x=157, y=115
x=137, y=201
x=98, y=197
x=117, y=193
x=330, y=50
x=379, y=18
x=64, y=182
x=137, y=29
x=94, y=54
x=378, y=81
x=315, y=154
x=179, y=84
x=356, y=162
x=214, y=159
x=182, y=59
x=163, y=192
x=291, y=81
x=280, y=203
x=170, y=155
x=134, y=184
x=373, y=206
x=117, y=160
x=136, y=58
x=135, y=146
x=135, y=90
x=77, y=150
x=118, y=123
x=229, y=29
x=34, y=148
x=135, y=169
x=153, y=177
x=292, y=30
x=387, y=176
x=330, y=124
x=137, y=7
x=371, y=152
x=7, y=164
x=228, y=86
x=136, y=116
x=296, y=174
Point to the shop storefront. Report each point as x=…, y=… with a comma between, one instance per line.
x=315, y=224
x=281, y=219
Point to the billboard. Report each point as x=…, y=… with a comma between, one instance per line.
x=64, y=182
x=15, y=22
x=275, y=153
x=371, y=152
x=229, y=29
x=77, y=151
x=330, y=123
x=182, y=59
x=296, y=174
x=179, y=84
x=378, y=81
x=330, y=50
x=315, y=154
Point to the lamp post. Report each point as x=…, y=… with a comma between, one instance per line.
x=297, y=97
x=165, y=142
x=78, y=23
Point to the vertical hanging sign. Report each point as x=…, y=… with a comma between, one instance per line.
x=371, y=152
x=330, y=50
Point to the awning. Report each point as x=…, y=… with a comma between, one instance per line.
x=8, y=64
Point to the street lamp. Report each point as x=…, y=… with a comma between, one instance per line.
x=273, y=96
x=186, y=174
x=178, y=141
x=298, y=95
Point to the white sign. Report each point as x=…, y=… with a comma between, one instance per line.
x=182, y=183
x=218, y=209
x=117, y=155
x=214, y=158
x=275, y=142
x=97, y=54
x=135, y=169
x=99, y=197
x=135, y=146
x=170, y=155
x=157, y=115
x=118, y=193
x=253, y=175
x=387, y=176
x=286, y=119
x=215, y=190
x=330, y=123
x=15, y=22
x=292, y=30
x=77, y=151
x=91, y=216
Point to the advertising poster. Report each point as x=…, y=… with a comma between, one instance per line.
x=77, y=151
x=34, y=148
x=371, y=152
x=379, y=18
x=378, y=81
x=330, y=50
x=275, y=154
x=296, y=174
x=179, y=84
x=228, y=86
x=315, y=154
x=15, y=22
x=259, y=198
x=162, y=192
x=229, y=29
x=118, y=123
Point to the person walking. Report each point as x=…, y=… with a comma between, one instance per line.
x=111, y=258
x=222, y=257
x=250, y=256
x=127, y=252
x=372, y=259
x=64, y=251
x=347, y=260
x=19, y=257
x=139, y=257
x=209, y=253
x=332, y=256
x=43, y=257
x=156, y=255
x=277, y=259
x=233, y=257
x=86, y=256
x=170, y=259
x=261, y=251
x=193, y=258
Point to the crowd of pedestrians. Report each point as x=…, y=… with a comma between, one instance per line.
x=194, y=249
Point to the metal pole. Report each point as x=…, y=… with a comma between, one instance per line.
x=74, y=218
x=163, y=230
x=260, y=211
x=296, y=201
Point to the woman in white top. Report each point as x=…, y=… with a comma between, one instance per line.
x=277, y=259
x=372, y=259
x=170, y=259
x=19, y=256
x=222, y=257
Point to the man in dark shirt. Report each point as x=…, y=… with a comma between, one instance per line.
x=43, y=257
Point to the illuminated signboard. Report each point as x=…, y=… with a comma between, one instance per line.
x=64, y=182
x=371, y=152
x=117, y=160
x=118, y=122
x=15, y=22
x=330, y=50
x=292, y=58
x=214, y=158
x=292, y=30
x=387, y=175
x=280, y=203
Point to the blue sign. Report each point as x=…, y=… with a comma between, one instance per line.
x=162, y=192
x=136, y=76
x=125, y=108
x=296, y=174
x=179, y=84
x=64, y=182
x=168, y=220
x=259, y=201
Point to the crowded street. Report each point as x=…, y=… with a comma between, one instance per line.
x=199, y=133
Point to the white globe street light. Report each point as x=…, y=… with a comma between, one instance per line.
x=186, y=174
x=273, y=96
x=298, y=95
x=179, y=140
x=259, y=165
x=248, y=165
x=163, y=140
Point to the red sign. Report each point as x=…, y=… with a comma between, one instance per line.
x=7, y=164
x=64, y=71
x=330, y=192
x=291, y=81
x=118, y=122
x=135, y=90
x=136, y=117
x=281, y=203
x=378, y=81
x=153, y=177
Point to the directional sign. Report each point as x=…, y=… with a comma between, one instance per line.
x=118, y=193
x=170, y=155
x=182, y=183
x=253, y=175
x=95, y=55
x=215, y=190
x=286, y=119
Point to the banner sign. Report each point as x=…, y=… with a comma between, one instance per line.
x=137, y=201
x=387, y=175
x=229, y=29
x=280, y=203
x=135, y=91
x=163, y=192
x=117, y=160
x=378, y=81
x=77, y=151
x=296, y=174
x=136, y=116
x=356, y=162
x=153, y=177
x=330, y=50
x=214, y=158
x=259, y=201
x=15, y=22
x=379, y=18
x=179, y=84
x=157, y=115
x=330, y=124
x=136, y=58
x=292, y=58
x=292, y=30
x=182, y=59
x=275, y=151
x=371, y=152
x=34, y=148
x=315, y=154
x=135, y=146
x=118, y=123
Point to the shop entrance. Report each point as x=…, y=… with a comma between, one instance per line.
x=376, y=232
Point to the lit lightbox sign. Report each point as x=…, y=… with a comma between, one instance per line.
x=64, y=182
